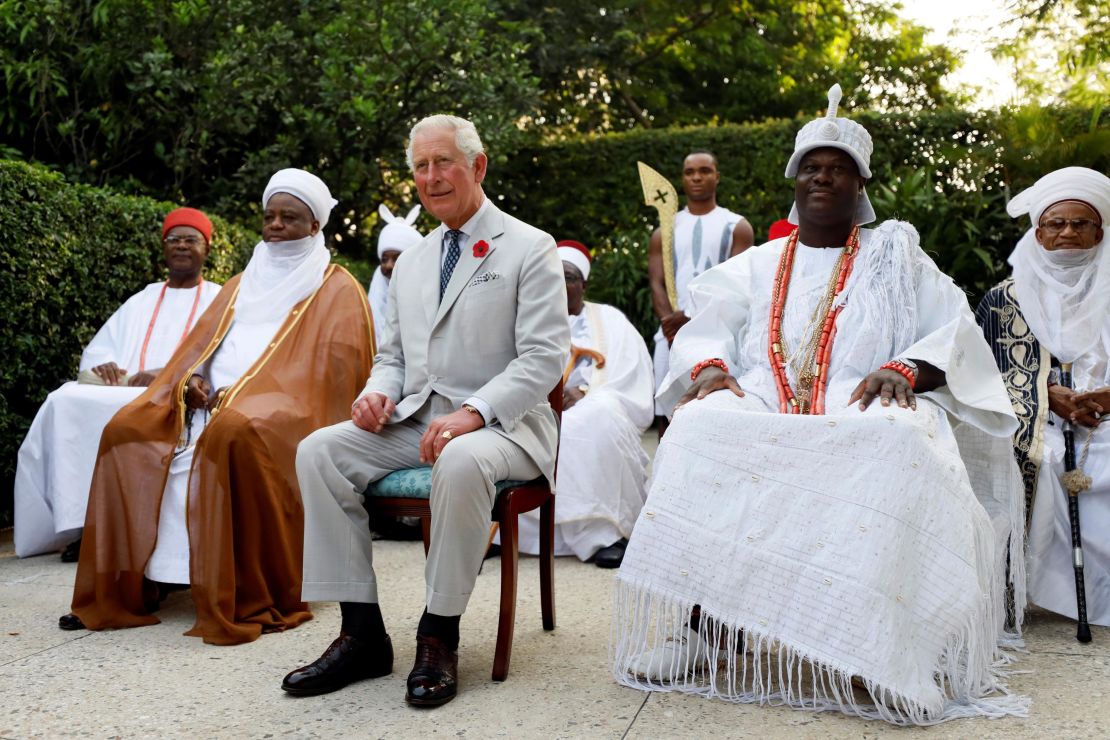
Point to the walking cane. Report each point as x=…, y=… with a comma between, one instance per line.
x=1072, y=490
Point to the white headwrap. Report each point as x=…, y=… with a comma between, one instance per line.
x=398, y=235
x=282, y=274
x=838, y=133
x=1064, y=294
x=575, y=256
x=304, y=186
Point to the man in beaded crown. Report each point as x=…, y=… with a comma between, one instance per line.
x=794, y=523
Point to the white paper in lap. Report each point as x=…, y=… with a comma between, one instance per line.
x=853, y=539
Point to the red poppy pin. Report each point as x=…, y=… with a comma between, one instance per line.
x=481, y=248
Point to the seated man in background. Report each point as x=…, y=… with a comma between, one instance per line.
x=195, y=482
x=608, y=402
x=1056, y=309
x=56, y=460
x=396, y=236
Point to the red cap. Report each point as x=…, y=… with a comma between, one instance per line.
x=576, y=245
x=188, y=217
x=779, y=229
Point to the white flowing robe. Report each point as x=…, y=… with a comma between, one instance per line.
x=57, y=458
x=602, y=474
x=1049, y=559
x=378, y=295
x=827, y=548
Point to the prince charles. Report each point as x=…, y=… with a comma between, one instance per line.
x=475, y=337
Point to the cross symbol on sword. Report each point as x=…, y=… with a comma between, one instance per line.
x=660, y=196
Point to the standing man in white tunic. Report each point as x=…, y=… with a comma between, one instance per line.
x=56, y=459
x=800, y=536
x=1056, y=309
x=705, y=234
x=607, y=405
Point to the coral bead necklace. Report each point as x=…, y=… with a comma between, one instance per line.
x=812, y=370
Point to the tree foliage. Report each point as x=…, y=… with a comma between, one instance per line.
x=1060, y=50
x=70, y=255
x=200, y=101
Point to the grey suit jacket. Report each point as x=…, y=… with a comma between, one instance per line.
x=500, y=333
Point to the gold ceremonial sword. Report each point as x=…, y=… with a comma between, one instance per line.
x=661, y=195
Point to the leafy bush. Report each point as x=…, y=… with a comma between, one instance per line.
x=69, y=256
x=948, y=172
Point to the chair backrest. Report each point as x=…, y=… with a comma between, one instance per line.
x=555, y=398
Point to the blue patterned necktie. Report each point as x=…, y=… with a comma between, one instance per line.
x=451, y=238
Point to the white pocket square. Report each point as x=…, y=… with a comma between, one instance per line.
x=485, y=277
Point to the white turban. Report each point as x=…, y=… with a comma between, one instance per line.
x=1070, y=183
x=1064, y=294
x=399, y=233
x=837, y=133
x=305, y=187
x=577, y=254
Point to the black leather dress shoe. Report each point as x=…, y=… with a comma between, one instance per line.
x=70, y=622
x=611, y=557
x=434, y=679
x=347, y=659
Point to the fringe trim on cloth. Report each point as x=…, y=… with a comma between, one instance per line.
x=747, y=663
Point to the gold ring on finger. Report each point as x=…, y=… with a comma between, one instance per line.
x=447, y=434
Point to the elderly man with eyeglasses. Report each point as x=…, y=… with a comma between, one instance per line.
x=56, y=459
x=1054, y=310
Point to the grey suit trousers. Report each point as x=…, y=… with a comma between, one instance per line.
x=334, y=466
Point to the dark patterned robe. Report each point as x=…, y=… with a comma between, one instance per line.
x=1024, y=364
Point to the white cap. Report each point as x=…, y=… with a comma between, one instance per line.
x=837, y=133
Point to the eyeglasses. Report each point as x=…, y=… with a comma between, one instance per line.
x=188, y=241
x=1078, y=225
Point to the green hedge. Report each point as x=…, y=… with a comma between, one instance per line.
x=945, y=171
x=69, y=256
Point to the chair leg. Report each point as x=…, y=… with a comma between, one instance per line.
x=426, y=533
x=547, y=563
x=507, y=617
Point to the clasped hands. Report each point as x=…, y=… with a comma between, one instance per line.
x=113, y=374
x=199, y=395
x=1079, y=408
x=371, y=413
x=886, y=385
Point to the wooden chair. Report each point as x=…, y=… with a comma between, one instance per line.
x=407, y=492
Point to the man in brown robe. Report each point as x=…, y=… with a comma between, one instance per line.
x=297, y=333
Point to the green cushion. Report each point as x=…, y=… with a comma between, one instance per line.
x=415, y=483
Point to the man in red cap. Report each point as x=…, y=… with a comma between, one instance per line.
x=51, y=489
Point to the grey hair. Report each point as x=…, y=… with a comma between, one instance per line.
x=466, y=136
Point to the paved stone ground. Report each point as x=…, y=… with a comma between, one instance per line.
x=155, y=682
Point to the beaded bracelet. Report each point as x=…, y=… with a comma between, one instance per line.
x=706, y=363
x=902, y=370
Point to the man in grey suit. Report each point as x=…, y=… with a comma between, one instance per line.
x=475, y=339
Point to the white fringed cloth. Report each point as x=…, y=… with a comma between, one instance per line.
x=822, y=551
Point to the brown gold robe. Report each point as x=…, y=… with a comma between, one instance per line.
x=244, y=511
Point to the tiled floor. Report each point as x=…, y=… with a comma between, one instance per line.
x=154, y=682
